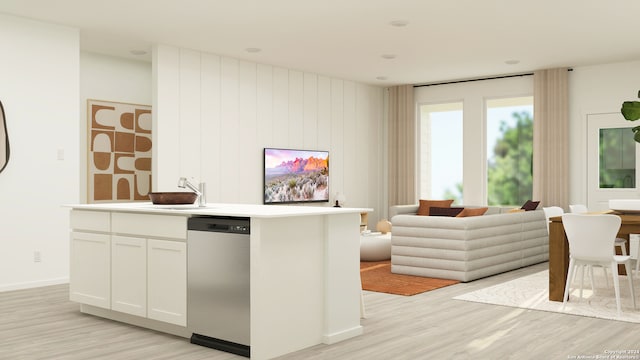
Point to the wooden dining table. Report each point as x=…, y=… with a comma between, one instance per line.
x=559, y=250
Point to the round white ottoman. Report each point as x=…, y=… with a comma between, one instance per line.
x=375, y=247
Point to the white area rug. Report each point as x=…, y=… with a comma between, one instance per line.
x=532, y=292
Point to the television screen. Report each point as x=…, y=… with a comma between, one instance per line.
x=292, y=176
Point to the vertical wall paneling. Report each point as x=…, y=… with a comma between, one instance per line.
x=166, y=115
x=280, y=108
x=210, y=136
x=310, y=112
x=324, y=114
x=296, y=128
x=229, y=132
x=264, y=106
x=249, y=148
x=363, y=139
x=336, y=161
x=377, y=155
x=190, y=92
x=353, y=180
x=216, y=114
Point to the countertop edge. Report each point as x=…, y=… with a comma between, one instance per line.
x=218, y=209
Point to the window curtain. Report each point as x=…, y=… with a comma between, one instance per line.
x=550, y=137
x=402, y=146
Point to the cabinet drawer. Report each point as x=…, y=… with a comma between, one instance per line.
x=149, y=225
x=91, y=220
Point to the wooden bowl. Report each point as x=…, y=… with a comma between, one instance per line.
x=173, y=198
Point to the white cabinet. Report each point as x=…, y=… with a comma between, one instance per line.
x=129, y=275
x=167, y=281
x=90, y=268
x=90, y=258
x=130, y=263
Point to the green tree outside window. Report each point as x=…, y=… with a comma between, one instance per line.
x=510, y=170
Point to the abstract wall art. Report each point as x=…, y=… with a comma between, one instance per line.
x=4, y=140
x=119, y=151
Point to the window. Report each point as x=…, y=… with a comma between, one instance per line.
x=617, y=158
x=441, y=151
x=461, y=145
x=509, y=128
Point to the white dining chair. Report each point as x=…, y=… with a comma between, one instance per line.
x=590, y=242
x=552, y=211
x=581, y=209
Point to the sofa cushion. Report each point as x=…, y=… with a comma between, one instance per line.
x=444, y=211
x=472, y=212
x=426, y=204
x=530, y=205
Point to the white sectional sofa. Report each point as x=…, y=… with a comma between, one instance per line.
x=466, y=248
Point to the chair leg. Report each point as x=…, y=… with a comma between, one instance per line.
x=584, y=269
x=567, y=286
x=627, y=266
x=593, y=285
x=623, y=249
x=616, y=285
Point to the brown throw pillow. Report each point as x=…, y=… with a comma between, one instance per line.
x=444, y=211
x=530, y=205
x=473, y=212
x=423, y=209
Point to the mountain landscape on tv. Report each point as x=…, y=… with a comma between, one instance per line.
x=297, y=179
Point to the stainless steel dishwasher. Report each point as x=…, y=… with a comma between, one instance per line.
x=218, y=311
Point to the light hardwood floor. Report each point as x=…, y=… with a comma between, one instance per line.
x=42, y=323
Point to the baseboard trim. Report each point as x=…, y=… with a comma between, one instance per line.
x=342, y=335
x=33, y=284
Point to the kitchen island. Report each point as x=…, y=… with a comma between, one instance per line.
x=129, y=260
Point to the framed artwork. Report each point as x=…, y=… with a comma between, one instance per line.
x=119, y=152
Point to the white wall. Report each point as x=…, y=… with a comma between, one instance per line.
x=213, y=116
x=40, y=90
x=594, y=89
x=111, y=79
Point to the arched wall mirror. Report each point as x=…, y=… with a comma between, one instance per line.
x=4, y=140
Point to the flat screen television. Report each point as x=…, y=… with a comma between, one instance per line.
x=295, y=176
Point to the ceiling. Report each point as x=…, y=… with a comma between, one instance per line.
x=440, y=41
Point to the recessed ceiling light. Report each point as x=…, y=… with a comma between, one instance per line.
x=399, y=23
x=252, y=50
x=388, y=56
x=381, y=78
x=512, y=62
x=138, y=52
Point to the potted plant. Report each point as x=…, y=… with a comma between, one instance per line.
x=631, y=111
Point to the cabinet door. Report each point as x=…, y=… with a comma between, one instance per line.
x=90, y=269
x=129, y=275
x=167, y=281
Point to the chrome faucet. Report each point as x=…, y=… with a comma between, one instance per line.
x=200, y=190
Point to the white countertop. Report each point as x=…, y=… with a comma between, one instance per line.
x=217, y=209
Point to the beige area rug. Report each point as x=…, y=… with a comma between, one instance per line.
x=532, y=292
